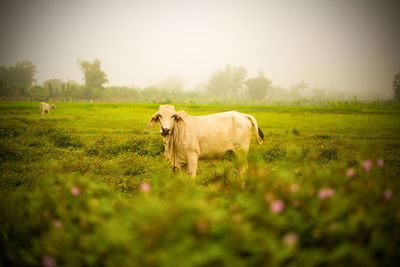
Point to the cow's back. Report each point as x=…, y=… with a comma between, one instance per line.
x=42, y=106
x=218, y=133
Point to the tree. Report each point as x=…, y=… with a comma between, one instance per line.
x=22, y=73
x=172, y=83
x=38, y=93
x=227, y=83
x=54, y=83
x=317, y=93
x=299, y=87
x=73, y=90
x=150, y=92
x=218, y=84
x=94, y=77
x=396, y=86
x=53, y=86
x=258, y=87
x=236, y=76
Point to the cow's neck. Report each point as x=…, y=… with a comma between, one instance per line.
x=173, y=145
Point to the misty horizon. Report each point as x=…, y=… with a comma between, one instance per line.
x=351, y=46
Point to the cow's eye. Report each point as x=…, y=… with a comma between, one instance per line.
x=159, y=116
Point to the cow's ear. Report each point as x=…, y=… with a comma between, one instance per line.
x=178, y=116
x=154, y=119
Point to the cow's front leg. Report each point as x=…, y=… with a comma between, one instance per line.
x=192, y=159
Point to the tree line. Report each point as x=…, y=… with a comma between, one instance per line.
x=18, y=82
x=231, y=83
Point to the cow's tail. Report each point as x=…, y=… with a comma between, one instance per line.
x=259, y=133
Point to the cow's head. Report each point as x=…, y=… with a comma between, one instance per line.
x=167, y=117
x=52, y=106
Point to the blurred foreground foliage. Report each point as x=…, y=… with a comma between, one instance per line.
x=177, y=222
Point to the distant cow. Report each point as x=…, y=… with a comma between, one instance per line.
x=189, y=138
x=46, y=108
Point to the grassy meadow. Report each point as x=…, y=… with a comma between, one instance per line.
x=90, y=187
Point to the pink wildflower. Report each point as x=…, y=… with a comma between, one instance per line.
x=367, y=164
x=145, y=187
x=277, y=206
x=237, y=218
x=57, y=224
x=388, y=194
x=75, y=191
x=333, y=226
x=311, y=191
x=201, y=225
x=234, y=207
x=326, y=193
x=294, y=188
x=268, y=197
x=290, y=239
x=48, y=261
x=350, y=173
x=380, y=163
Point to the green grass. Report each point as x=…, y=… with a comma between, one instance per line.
x=107, y=152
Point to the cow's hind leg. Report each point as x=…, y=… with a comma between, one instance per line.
x=241, y=166
x=192, y=159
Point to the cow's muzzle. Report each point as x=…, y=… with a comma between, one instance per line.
x=165, y=131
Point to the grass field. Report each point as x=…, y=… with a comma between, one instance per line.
x=90, y=187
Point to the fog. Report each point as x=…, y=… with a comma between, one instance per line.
x=347, y=46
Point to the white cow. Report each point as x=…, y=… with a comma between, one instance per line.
x=46, y=108
x=189, y=138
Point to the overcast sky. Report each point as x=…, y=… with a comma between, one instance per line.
x=346, y=44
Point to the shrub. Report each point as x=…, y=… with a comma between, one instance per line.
x=276, y=153
x=105, y=146
x=8, y=153
x=61, y=138
x=329, y=152
x=12, y=128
